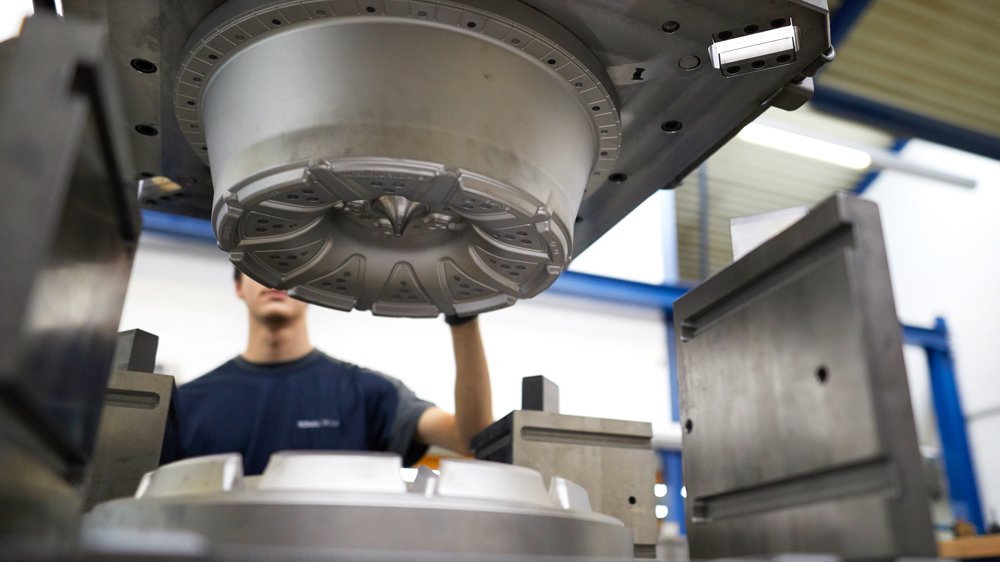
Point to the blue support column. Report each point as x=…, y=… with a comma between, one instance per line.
x=671, y=463
x=961, y=474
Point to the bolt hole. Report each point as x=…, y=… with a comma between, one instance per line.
x=689, y=426
x=213, y=57
x=239, y=37
x=604, y=153
x=142, y=65
x=196, y=78
x=618, y=177
x=751, y=29
x=551, y=61
x=320, y=12
x=283, y=264
x=258, y=229
x=780, y=22
x=671, y=126
x=783, y=58
x=725, y=35
x=190, y=102
x=292, y=196
x=421, y=14
x=822, y=374
x=276, y=227
x=370, y=9
x=757, y=64
x=471, y=25
x=733, y=69
x=262, y=221
x=276, y=22
x=308, y=191
x=604, y=131
x=596, y=108
x=631, y=500
x=515, y=41
x=670, y=27
x=147, y=130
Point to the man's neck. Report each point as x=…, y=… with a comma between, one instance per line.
x=277, y=342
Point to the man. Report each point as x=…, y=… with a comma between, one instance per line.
x=283, y=394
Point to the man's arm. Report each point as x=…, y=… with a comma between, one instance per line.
x=473, y=399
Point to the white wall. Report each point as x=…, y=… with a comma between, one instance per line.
x=608, y=361
x=944, y=254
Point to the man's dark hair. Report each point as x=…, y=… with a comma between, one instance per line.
x=236, y=274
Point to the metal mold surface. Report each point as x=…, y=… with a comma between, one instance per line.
x=320, y=504
x=819, y=453
x=549, y=118
x=442, y=149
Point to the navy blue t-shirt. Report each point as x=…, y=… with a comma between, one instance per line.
x=315, y=402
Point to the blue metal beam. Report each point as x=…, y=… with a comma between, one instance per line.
x=959, y=469
x=844, y=18
x=176, y=225
x=617, y=291
x=865, y=182
x=904, y=123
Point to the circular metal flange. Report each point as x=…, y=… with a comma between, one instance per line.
x=405, y=157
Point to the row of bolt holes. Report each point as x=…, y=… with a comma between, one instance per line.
x=289, y=258
x=822, y=374
x=465, y=287
x=751, y=29
x=307, y=192
x=506, y=267
x=403, y=293
x=511, y=237
x=758, y=64
x=273, y=226
x=339, y=281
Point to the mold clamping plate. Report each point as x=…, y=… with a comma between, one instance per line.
x=413, y=157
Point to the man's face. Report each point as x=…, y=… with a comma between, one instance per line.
x=268, y=305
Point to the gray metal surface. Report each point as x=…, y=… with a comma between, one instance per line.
x=612, y=459
x=674, y=108
x=130, y=437
x=798, y=430
x=329, y=503
x=70, y=223
x=539, y=393
x=440, y=188
x=135, y=350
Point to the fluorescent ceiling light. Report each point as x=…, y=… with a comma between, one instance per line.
x=662, y=511
x=801, y=145
x=659, y=490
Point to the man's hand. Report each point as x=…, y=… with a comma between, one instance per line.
x=473, y=397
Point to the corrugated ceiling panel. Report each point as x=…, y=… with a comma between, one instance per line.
x=745, y=179
x=937, y=58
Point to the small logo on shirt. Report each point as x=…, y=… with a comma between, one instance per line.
x=317, y=424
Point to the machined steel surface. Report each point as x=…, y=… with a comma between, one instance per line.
x=70, y=222
x=130, y=436
x=329, y=503
x=423, y=157
x=412, y=157
x=798, y=430
x=612, y=460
